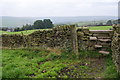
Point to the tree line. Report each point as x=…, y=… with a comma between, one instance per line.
x=108, y=23
x=38, y=24
x=47, y=23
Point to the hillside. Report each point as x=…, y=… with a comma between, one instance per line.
x=20, y=21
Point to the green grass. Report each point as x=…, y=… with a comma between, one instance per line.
x=110, y=71
x=43, y=63
x=89, y=54
x=24, y=63
x=24, y=32
x=100, y=27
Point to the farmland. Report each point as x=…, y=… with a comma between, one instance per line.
x=31, y=31
x=53, y=63
x=20, y=32
x=100, y=27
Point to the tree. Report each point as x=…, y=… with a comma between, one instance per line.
x=115, y=22
x=30, y=27
x=26, y=27
x=38, y=24
x=4, y=28
x=109, y=23
x=17, y=29
x=48, y=23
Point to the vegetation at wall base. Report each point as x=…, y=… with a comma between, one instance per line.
x=111, y=71
x=49, y=63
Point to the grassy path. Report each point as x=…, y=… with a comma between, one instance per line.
x=89, y=68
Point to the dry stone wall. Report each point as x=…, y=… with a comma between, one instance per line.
x=116, y=46
x=94, y=39
x=83, y=38
x=12, y=40
x=66, y=37
x=60, y=37
x=57, y=37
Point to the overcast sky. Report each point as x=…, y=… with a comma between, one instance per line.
x=43, y=8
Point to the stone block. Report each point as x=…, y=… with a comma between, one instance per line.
x=104, y=52
x=93, y=38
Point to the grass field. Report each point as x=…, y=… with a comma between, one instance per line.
x=20, y=32
x=46, y=63
x=31, y=31
x=100, y=27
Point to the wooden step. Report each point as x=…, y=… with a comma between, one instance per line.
x=98, y=46
x=105, y=40
x=93, y=38
x=104, y=52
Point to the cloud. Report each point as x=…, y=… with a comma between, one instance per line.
x=58, y=7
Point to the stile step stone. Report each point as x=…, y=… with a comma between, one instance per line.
x=93, y=38
x=103, y=37
x=105, y=40
x=104, y=52
x=98, y=46
x=104, y=44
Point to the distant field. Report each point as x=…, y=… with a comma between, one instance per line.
x=20, y=32
x=31, y=31
x=100, y=28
